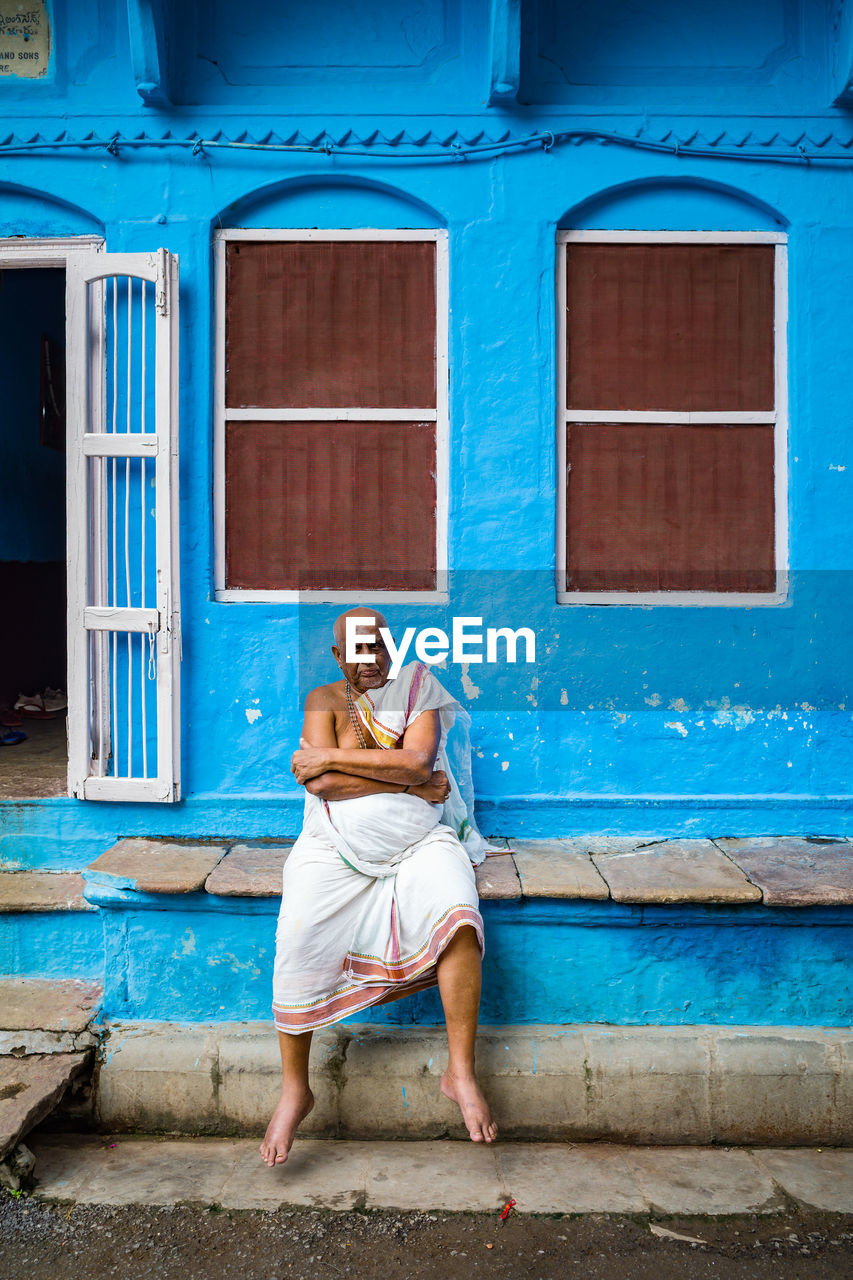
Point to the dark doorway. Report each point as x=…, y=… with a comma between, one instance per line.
x=32, y=531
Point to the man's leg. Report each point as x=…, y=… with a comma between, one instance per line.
x=295, y=1101
x=459, y=984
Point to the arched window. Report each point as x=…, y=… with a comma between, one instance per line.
x=332, y=402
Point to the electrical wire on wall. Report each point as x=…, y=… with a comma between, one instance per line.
x=797, y=152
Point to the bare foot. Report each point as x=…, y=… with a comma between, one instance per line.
x=466, y=1093
x=293, y=1106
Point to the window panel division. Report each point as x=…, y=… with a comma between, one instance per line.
x=669, y=326
x=330, y=324
x=662, y=508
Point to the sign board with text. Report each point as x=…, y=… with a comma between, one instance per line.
x=24, y=39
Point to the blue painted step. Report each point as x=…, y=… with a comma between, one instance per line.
x=198, y=957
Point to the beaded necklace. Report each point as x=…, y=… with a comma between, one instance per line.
x=362, y=741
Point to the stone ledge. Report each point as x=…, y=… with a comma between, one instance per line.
x=42, y=891
x=497, y=878
x=795, y=873
x=541, y=1178
x=643, y=1084
x=48, y=1004
x=776, y=870
x=155, y=866
x=675, y=871
x=558, y=869
x=45, y=1015
x=249, y=871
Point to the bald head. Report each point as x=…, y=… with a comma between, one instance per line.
x=340, y=627
x=370, y=670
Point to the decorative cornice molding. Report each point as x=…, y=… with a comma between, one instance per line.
x=779, y=140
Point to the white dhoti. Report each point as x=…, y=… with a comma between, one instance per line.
x=347, y=939
x=375, y=888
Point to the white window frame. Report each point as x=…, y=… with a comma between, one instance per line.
x=777, y=417
x=439, y=415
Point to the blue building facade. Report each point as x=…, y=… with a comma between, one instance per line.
x=500, y=125
x=496, y=132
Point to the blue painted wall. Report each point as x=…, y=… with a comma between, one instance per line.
x=53, y=944
x=636, y=719
x=198, y=959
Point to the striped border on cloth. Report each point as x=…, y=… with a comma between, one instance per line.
x=373, y=979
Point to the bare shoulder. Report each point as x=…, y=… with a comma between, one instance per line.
x=325, y=697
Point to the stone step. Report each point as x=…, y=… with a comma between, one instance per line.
x=30, y=891
x=39, y=1015
x=30, y=1088
x=675, y=871
x=697, y=1084
x=795, y=873
x=155, y=866
x=249, y=871
x=774, y=870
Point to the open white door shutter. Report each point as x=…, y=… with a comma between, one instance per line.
x=123, y=601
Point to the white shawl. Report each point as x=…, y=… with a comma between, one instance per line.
x=387, y=711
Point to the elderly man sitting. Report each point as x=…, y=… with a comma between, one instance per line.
x=378, y=893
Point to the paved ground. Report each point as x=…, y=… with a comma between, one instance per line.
x=189, y=1209
x=456, y=1177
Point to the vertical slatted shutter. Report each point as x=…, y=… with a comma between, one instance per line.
x=123, y=594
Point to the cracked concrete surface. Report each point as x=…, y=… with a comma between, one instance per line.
x=456, y=1176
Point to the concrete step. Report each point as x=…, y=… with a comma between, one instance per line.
x=444, y=1176
x=698, y=1084
x=30, y=1088
x=41, y=1015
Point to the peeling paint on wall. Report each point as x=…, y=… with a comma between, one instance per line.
x=472, y=691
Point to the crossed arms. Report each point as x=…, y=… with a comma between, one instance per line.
x=342, y=773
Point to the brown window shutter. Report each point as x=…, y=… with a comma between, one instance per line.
x=330, y=324
x=653, y=507
x=669, y=326
x=330, y=505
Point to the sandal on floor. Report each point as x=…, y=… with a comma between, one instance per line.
x=33, y=707
x=9, y=719
x=54, y=699
x=12, y=738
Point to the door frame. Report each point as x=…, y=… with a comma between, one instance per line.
x=24, y=252
x=45, y=251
